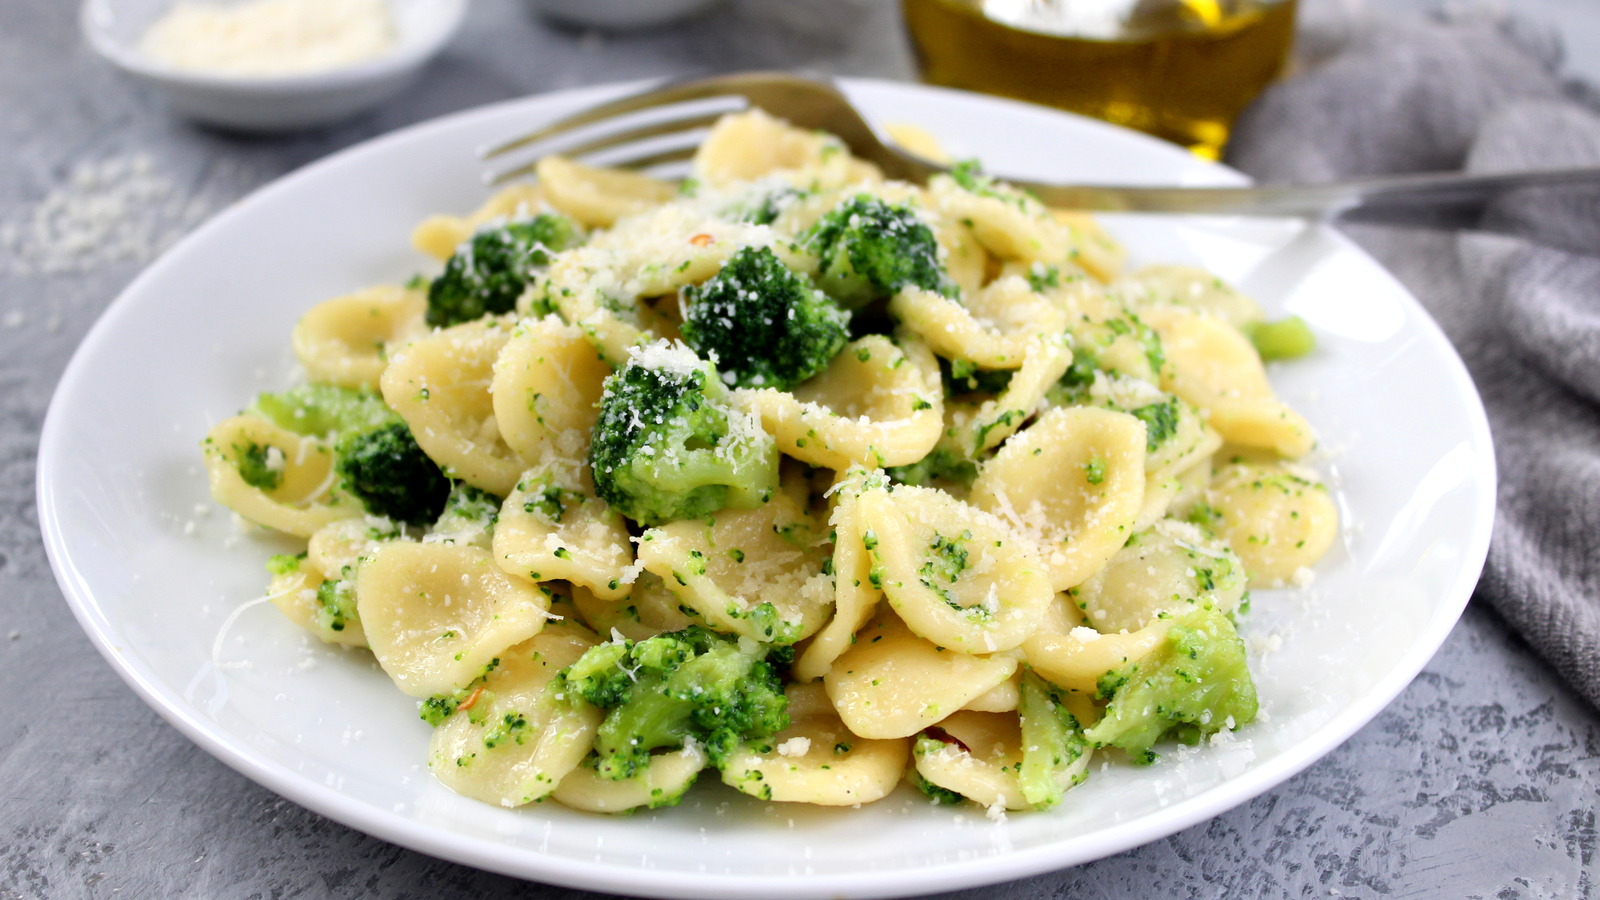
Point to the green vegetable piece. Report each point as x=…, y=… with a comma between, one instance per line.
x=285, y=563
x=961, y=376
x=942, y=565
x=870, y=249
x=1094, y=471
x=1055, y=754
x=939, y=466
x=667, y=445
x=1197, y=684
x=336, y=604
x=1288, y=338
x=693, y=684
x=322, y=410
x=487, y=274
x=969, y=175
x=1161, y=422
x=1042, y=278
x=392, y=477
x=260, y=465
x=766, y=325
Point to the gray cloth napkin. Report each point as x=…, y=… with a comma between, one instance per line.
x=1403, y=95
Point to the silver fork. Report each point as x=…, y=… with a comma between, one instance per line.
x=677, y=111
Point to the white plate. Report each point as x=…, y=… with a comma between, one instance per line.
x=152, y=571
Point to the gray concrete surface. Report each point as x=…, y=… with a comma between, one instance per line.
x=1481, y=780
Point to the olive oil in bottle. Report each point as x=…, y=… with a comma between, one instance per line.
x=1178, y=69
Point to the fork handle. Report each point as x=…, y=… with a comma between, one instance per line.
x=1436, y=200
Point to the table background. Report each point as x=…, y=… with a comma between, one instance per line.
x=1481, y=780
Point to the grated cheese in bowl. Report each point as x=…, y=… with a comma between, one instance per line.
x=270, y=37
x=271, y=65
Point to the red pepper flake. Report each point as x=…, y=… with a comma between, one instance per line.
x=945, y=737
x=471, y=698
x=701, y=240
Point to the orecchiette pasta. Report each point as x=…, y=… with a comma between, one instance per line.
x=1214, y=367
x=298, y=494
x=346, y=340
x=552, y=527
x=980, y=759
x=877, y=405
x=1279, y=520
x=598, y=197
x=817, y=759
x=298, y=594
x=1162, y=570
x=517, y=739
x=954, y=573
x=893, y=683
x=547, y=380
x=668, y=775
x=998, y=511
x=955, y=331
x=436, y=614
x=441, y=385
x=752, y=572
x=1072, y=484
x=855, y=595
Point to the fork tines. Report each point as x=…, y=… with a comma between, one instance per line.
x=640, y=131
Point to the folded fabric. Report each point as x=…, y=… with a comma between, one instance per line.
x=1406, y=95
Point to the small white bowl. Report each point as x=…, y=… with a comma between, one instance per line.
x=618, y=15
x=272, y=103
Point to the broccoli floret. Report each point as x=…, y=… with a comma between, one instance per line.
x=489, y=271
x=322, y=410
x=690, y=685
x=1055, y=754
x=766, y=325
x=871, y=249
x=376, y=457
x=667, y=445
x=1196, y=684
x=260, y=465
x=392, y=477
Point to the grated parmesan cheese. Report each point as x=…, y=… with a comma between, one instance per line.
x=270, y=37
x=672, y=357
x=795, y=746
x=104, y=212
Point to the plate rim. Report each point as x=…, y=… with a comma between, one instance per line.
x=600, y=876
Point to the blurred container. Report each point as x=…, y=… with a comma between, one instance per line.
x=618, y=15
x=1178, y=69
x=272, y=103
